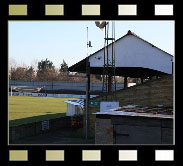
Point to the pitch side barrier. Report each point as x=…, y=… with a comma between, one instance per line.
x=48, y=95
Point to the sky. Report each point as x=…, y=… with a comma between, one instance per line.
x=33, y=41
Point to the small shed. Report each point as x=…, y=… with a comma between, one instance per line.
x=133, y=124
x=74, y=107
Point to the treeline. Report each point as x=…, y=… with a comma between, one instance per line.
x=46, y=71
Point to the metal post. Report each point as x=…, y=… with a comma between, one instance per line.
x=142, y=80
x=114, y=60
x=87, y=93
x=107, y=81
x=105, y=75
x=11, y=90
x=125, y=82
x=87, y=86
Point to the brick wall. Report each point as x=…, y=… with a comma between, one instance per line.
x=103, y=131
x=151, y=93
x=32, y=129
x=133, y=130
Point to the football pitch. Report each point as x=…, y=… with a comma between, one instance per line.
x=25, y=109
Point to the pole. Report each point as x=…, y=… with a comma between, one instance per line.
x=142, y=81
x=114, y=59
x=107, y=61
x=105, y=51
x=125, y=82
x=87, y=93
x=104, y=74
x=86, y=109
x=11, y=90
x=87, y=87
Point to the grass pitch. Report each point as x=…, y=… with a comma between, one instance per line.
x=25, y=109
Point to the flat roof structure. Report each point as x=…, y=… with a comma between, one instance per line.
x=139, y=111
x=134, y=57
x=75, y=102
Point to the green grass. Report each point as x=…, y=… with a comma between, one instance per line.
x=24, y=109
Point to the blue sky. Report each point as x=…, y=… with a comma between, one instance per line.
x=33, y=41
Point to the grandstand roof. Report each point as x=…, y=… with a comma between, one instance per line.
x=135, y=57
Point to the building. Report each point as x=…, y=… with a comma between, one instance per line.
x=135, y=58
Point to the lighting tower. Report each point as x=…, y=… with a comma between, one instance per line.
x=109, y=81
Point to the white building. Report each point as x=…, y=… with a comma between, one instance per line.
x=134, y=57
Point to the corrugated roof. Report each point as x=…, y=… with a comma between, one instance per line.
x=76, y=102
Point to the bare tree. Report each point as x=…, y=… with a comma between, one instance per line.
x=30, y=73
x=18, y=73
x=12, y=63
x=34, y=64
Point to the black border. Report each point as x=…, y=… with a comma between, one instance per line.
x=72, y=11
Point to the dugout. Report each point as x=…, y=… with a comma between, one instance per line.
x=74, y=107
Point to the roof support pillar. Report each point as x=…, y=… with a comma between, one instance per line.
x=142, y=80
x=125, y=82
x=110, y=83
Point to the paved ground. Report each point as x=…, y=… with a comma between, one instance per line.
x=57, y=137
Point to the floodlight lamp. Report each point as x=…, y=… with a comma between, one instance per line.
x=101, y=24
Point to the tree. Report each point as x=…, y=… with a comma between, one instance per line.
x=63, y=67
x=30, y=73
x=44, y=65
x=18, y=73
x=46, y=71
x=22, y=73
x=62, y=76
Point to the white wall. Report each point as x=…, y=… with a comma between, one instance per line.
x=131, y=51
x=70, y=110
